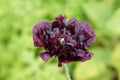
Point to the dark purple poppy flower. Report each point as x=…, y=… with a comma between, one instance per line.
x=68, y=41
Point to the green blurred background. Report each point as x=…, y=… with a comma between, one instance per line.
x=18, y=56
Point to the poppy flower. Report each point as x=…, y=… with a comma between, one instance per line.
x=68, y=41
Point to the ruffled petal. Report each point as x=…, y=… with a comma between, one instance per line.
x=45, y=56
x=60, y=22
x=37, y=41
x=89, y=31
x=68, y=41
x=39, y=33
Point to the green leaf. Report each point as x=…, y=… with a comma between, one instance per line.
x=113, y=24
x=94, y=69
x=116, y=57
x=98, y=13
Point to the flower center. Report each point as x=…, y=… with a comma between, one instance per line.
x=62, y=41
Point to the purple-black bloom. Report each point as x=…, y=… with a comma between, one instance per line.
x=68, y=41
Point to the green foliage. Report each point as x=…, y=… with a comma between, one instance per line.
x=95, y=69
x=19, y=59
x=98, y=13
x=113, y=24
x=116, y=58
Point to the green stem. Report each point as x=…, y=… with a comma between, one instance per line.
x=67, y=72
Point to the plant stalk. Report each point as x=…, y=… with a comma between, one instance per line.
x=67, y=72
